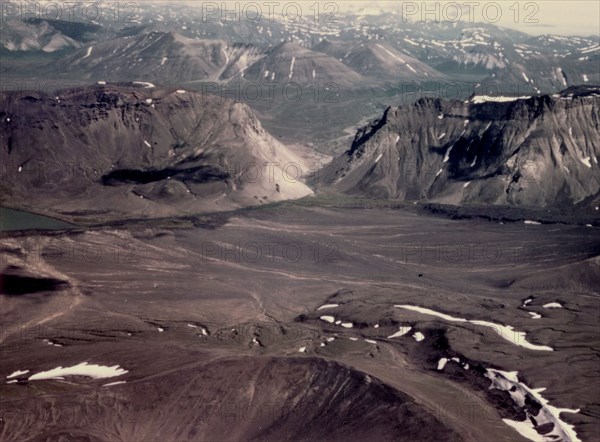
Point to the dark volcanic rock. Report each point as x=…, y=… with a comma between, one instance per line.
x=14, y=282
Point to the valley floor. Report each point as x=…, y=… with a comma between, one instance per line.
x=296, y=322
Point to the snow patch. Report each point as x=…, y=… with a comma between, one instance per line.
x=326, y=306
x=145, y=84
x=329, y=319
x=14, y=374
x=418, y=336
x=506, y=332
x=499, y=99
x=526, y=429
x=401, y=332
x=292, y=68
x=521, y=394
x=562, y=76
x=447, y=155
x=110, y=384
x=88, y=53
x=393, y=55
x=93, y=371
x=442, y=363
x=552, y=305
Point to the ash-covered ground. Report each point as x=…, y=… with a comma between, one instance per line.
x=294, y=322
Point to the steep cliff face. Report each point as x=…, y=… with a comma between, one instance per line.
x=538, y=151
x=139, y=151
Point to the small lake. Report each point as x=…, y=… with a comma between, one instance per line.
x=11, y=220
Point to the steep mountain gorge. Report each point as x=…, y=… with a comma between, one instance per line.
x=124, y=150
x=522, y=151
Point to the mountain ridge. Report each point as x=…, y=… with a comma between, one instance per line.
x=533, y=151
x=149, y=152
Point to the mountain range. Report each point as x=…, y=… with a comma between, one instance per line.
x=521, y=151
x=523, y=133
x=179, y=43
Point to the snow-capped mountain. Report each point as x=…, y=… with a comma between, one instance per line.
x=374, y=44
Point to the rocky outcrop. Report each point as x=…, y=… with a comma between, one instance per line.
x=532, y=152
